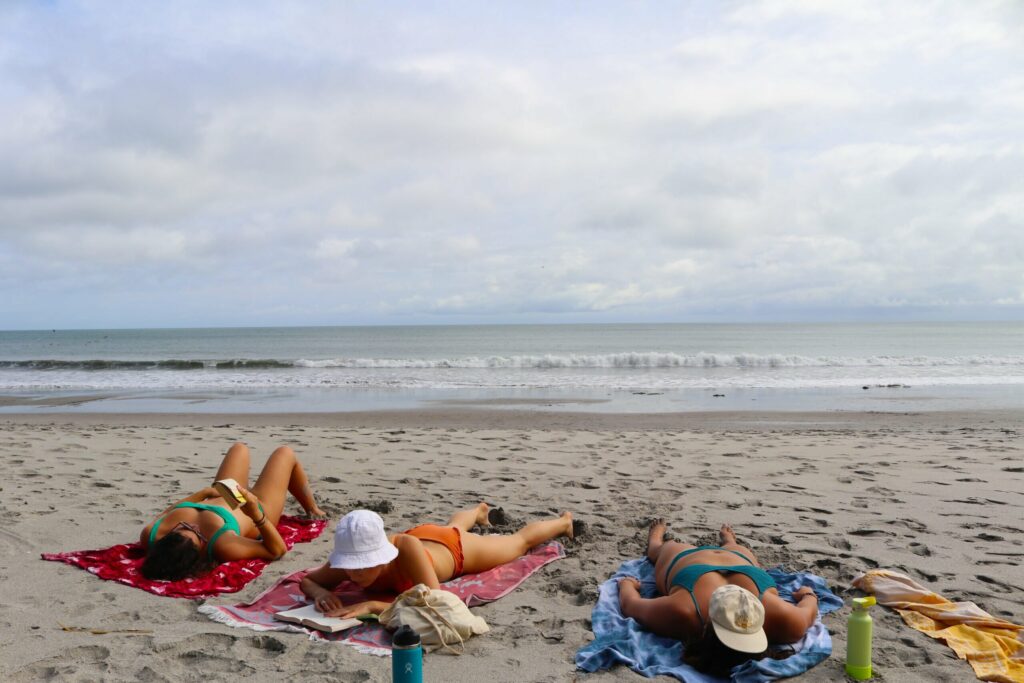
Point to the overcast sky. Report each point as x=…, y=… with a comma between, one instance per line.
x=185, y=164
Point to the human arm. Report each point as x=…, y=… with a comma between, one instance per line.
x=271, y=546
x=663, y=615
x=786, y=622
x=359, y=609
x=317, y=586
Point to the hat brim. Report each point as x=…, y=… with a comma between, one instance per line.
x=371, y=558
x=751, y=643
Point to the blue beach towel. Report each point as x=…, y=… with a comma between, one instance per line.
x=619, y=639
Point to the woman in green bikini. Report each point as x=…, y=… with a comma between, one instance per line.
x=191, y=536
x=717, y=600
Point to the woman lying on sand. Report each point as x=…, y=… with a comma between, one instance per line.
x=188, y=538
x=427, y=554
x=717, y=600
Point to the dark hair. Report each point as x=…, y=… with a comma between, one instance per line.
x=708, y=654
x=174, y=557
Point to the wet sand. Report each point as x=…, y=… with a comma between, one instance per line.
x=935, y=495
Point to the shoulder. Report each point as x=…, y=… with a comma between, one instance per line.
x=673, y=616
x=405, y=542
x=681, y=604
x=325, y=575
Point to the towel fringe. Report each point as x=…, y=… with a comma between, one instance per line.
x=217, y=614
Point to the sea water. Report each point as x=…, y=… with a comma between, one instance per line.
x=628, y=367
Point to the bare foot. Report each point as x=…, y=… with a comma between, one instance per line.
x=482, y=514
x=656, y=533
x=316, y=513
x=726, y=535
x=570, y=529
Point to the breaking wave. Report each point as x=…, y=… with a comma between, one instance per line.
x=631, y=360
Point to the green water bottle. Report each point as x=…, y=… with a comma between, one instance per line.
x=858, y=639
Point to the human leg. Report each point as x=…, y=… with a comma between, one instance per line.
x=655, y=539
x=467, y=519
x=661, y=553
x=481, y=553
x=728, y=540
x=284, y=474
x=235, y=465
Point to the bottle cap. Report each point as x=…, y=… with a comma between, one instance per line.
x=405, y=636
x=863, y=603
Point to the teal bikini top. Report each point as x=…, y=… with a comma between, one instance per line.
x=230, y=523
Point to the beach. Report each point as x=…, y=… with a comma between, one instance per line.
x=754, y=264
x=935, y=495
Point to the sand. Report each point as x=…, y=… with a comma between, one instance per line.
x=938, y=496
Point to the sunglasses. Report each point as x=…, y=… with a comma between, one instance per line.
x=190, y=527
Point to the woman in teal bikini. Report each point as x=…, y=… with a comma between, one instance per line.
x=717, y=600
x=191, y=536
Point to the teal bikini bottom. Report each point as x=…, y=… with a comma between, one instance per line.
x=688, y=576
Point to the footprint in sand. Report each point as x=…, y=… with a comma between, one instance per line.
x=840, y=543
x=87, y=662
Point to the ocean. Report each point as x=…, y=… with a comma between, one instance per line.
x=621, y=368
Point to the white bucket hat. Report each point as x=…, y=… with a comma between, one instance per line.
x=360, y=542
x=738, y=619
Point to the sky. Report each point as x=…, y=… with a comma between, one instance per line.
x=254, y=163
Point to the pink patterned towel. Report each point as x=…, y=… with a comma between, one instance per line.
x=121, y=563
x=472, y=589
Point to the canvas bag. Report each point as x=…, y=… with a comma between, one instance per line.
x=439, y=617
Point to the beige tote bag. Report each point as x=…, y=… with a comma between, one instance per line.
x=439, y=617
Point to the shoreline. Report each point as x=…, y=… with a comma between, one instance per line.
x=934, y=495
x=886, y=398
x=510, y=418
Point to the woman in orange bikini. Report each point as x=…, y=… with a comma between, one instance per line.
x=428, y=554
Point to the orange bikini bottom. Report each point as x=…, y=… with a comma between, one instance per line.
x=448, y=536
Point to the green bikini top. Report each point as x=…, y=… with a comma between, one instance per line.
x=230, y=523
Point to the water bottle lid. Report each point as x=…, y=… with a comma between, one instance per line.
x=863, y=603
x=405, y=636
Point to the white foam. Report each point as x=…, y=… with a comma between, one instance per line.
x=518, y=378
x=655, y=359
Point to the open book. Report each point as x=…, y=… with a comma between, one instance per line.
x=228, y=490
x=309, y=615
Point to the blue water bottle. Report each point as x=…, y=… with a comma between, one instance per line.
x=406, y=656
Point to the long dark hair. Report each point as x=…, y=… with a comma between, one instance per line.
x=175, y=557
x=709, y=654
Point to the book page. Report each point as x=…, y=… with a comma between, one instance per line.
x=229, y=491
x=310, y=616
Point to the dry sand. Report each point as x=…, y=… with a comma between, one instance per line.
x=938, y=496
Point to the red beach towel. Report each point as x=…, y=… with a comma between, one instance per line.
x=472, y=589
x=121, y=563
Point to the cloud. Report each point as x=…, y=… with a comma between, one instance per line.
x=318, y=163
